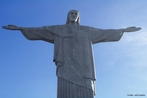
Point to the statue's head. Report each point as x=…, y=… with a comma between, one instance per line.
x=73, y=16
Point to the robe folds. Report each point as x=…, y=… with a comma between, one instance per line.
x=73, y=54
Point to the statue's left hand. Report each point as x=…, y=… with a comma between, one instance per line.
x=132, y=29
x=11, y=27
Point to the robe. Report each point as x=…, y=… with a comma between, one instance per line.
x=73, y=54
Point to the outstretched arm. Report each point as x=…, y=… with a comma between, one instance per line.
x=109, y=35
x=37, y=33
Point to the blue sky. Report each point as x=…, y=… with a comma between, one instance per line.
x=26, y=67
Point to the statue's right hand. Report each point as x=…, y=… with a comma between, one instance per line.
x=11, y=27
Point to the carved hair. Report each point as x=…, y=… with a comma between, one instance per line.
x=68, y=21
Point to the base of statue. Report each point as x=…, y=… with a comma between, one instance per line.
x=67, y=89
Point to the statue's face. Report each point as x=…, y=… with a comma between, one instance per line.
x=73, y=16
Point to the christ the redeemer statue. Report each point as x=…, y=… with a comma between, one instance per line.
x=73, y=52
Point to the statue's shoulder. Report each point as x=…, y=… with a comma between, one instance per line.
x=54, y=27
x=87, y=28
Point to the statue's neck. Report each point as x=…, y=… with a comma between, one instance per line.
x=73, y=23
x=73, y=26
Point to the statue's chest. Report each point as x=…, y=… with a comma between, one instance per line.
x=76, y=36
